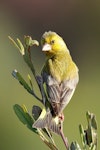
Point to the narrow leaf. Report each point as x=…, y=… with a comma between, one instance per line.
x=30, y=81
x=21, y=46
x=24, y=117
x=29, y=42
x=16, y=45
x=18, y=76
x=91, y=131
x=83, y=136
x=75, y=146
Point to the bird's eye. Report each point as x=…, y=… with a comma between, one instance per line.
x=52, y=42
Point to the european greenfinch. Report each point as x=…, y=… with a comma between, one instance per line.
x=60, y=74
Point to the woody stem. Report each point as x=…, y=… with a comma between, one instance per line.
x=64, y=139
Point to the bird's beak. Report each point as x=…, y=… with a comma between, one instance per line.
x=46, y=47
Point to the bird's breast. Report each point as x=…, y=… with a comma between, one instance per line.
x=62, y=68
x=57, y=69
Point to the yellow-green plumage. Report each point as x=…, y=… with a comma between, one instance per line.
x=60, y=66
x=60, y=74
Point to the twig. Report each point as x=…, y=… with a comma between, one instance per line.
x=64, y=139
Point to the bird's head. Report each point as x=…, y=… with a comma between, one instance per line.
x=52, y=43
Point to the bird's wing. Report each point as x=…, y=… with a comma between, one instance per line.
x=67, y=91
x=53, y=92
x=59, y=94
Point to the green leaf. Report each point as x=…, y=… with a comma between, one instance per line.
x=18, y=76
x=93, y=147
x=75, y=146
x=91, y=120
x=24, y=117
x=25, y=50
x=91, y=131
x=29, y=42
x=18, y=45
x=83, y=136
x=22, y=50
x=30, y=81
x=36, y=111
x=89, y=135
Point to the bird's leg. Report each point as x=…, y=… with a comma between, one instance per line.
x=61, y=117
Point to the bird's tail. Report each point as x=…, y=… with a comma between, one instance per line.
x=46, y=120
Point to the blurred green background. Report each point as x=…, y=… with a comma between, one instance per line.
x=78, y=22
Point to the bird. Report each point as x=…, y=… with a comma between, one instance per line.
x=60, y=75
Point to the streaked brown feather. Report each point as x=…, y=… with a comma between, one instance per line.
x=60, y=94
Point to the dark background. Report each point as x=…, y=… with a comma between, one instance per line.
x=78, y=22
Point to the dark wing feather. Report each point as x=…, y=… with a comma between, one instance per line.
x=59, y=94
